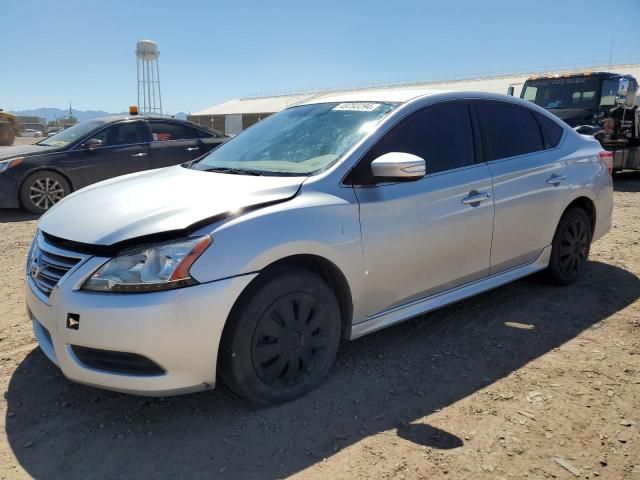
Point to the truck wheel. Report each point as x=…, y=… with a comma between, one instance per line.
x=281, y=338
x=42, y=190
x=570, y=247
x=7, y=136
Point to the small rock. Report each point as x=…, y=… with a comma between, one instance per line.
x=626, y=423
x=623, y=437
x=567, y=466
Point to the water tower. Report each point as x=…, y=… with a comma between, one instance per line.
x=149, y=98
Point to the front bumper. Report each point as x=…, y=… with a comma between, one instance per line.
x=9, y=188
x=179, y=330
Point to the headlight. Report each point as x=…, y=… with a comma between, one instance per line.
x=156, y=267
x=14, y=162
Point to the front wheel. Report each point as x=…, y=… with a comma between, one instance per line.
x=570, y=247
x=282, y=337
x=42, y=190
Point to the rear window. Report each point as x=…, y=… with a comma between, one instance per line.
x=166, y=131
x=552, y=131
x=509, y=130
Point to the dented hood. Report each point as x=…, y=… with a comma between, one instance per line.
x=166, y=200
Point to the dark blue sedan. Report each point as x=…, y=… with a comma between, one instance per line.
x=38, y=176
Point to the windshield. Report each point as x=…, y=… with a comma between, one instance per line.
x=298, y=141
x=557, y=93
x=71, y=134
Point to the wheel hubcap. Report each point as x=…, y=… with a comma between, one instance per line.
x=290, y=340
x=45, y=192
x=574, y=247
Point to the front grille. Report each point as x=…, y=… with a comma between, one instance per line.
x=47, y=268
x=116, y=362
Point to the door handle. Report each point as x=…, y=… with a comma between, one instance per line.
x=191, y=149
x=556, y=179
x=476, y=198
x=141, y=154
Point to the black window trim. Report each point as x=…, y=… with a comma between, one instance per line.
x=486, y=150
x=476, y=144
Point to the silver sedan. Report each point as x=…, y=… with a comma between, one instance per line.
x=329, y=220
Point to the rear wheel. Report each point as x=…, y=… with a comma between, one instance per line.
x=7, y=136
x=42, y=190
x=282, y=337
x=570, y=248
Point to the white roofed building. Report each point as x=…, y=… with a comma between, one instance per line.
x=235, y=115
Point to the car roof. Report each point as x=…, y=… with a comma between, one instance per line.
x=393, y=95
x=117, y=118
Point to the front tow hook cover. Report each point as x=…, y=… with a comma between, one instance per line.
x=73, y=321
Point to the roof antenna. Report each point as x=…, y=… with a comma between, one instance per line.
x=611, y=50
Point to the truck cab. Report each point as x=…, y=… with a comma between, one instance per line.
x=581, y=99
x=602, y=104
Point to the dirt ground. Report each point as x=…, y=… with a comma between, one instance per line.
x=527, y=381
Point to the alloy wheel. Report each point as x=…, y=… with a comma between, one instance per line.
x=290, y=340
x=45, y=192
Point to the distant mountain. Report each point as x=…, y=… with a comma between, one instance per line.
x=52, y=113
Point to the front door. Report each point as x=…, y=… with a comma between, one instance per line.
x=124, y=150
x=425, y=236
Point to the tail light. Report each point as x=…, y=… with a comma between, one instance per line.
x=607, y=158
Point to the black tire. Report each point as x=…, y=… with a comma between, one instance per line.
x=7, y=136
x=570, y=247
x=43, y=189
x=281, y=338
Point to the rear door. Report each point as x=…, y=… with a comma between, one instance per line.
x=530, y=180
x=174, y=142
x=125, y=149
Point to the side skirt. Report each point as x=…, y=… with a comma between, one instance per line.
x=418, y=307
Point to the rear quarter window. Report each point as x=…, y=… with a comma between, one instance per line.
x=552, y=131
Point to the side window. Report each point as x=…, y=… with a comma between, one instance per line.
x=509, y=130
x=441, y=135
x=197, y=133
x=165, y=131
x=121, y=134
x=552, y=131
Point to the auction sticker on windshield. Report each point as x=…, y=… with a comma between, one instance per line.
x=357, y=107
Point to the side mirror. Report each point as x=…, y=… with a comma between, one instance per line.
x=511, y=90
x=623, y=87
x=92, y=144
x=398, y=165
x=623, y=90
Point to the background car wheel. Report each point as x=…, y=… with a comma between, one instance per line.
x=7, y=136
x=281, y=338
x=42, y=190
x=570, y=248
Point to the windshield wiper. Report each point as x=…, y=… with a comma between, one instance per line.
x=235, y=171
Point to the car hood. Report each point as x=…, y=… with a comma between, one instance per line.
x=160, y=201
x=20, y=150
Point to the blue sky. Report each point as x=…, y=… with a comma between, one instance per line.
x=83, y=50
